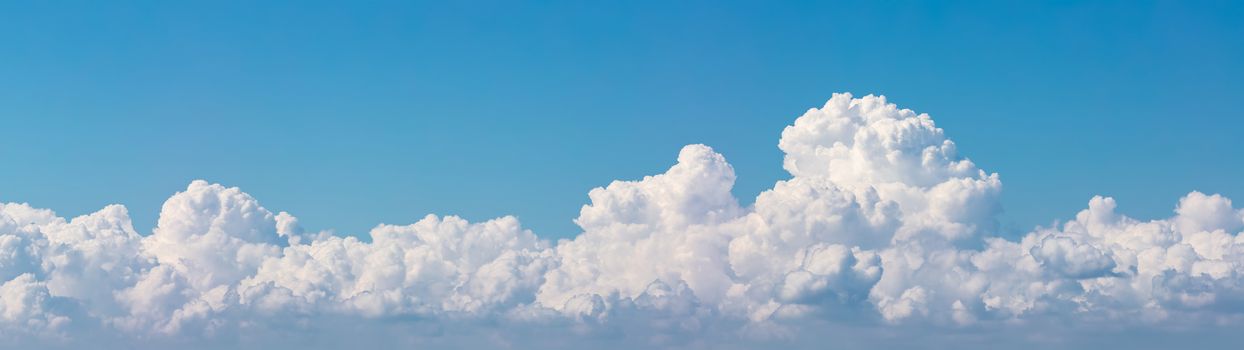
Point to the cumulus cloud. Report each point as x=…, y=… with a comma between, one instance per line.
x=882, y=227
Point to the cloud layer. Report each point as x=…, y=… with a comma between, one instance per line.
x=883, y=232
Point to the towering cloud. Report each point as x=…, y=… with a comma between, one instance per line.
x=882, y=226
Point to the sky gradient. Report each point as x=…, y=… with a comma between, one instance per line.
x=621, y=175
x=353, y=115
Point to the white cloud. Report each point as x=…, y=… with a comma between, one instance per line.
x=882, y=227
x=432, y=267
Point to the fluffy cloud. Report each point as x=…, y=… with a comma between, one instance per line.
x=433, y=267
x=882, y=227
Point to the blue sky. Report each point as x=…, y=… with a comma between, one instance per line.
x=1119, y=119
x=351, y=115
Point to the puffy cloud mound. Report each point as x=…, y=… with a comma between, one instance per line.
x=432, y=267
x=882, y=226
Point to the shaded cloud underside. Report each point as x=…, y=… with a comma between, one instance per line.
x=882, y=233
